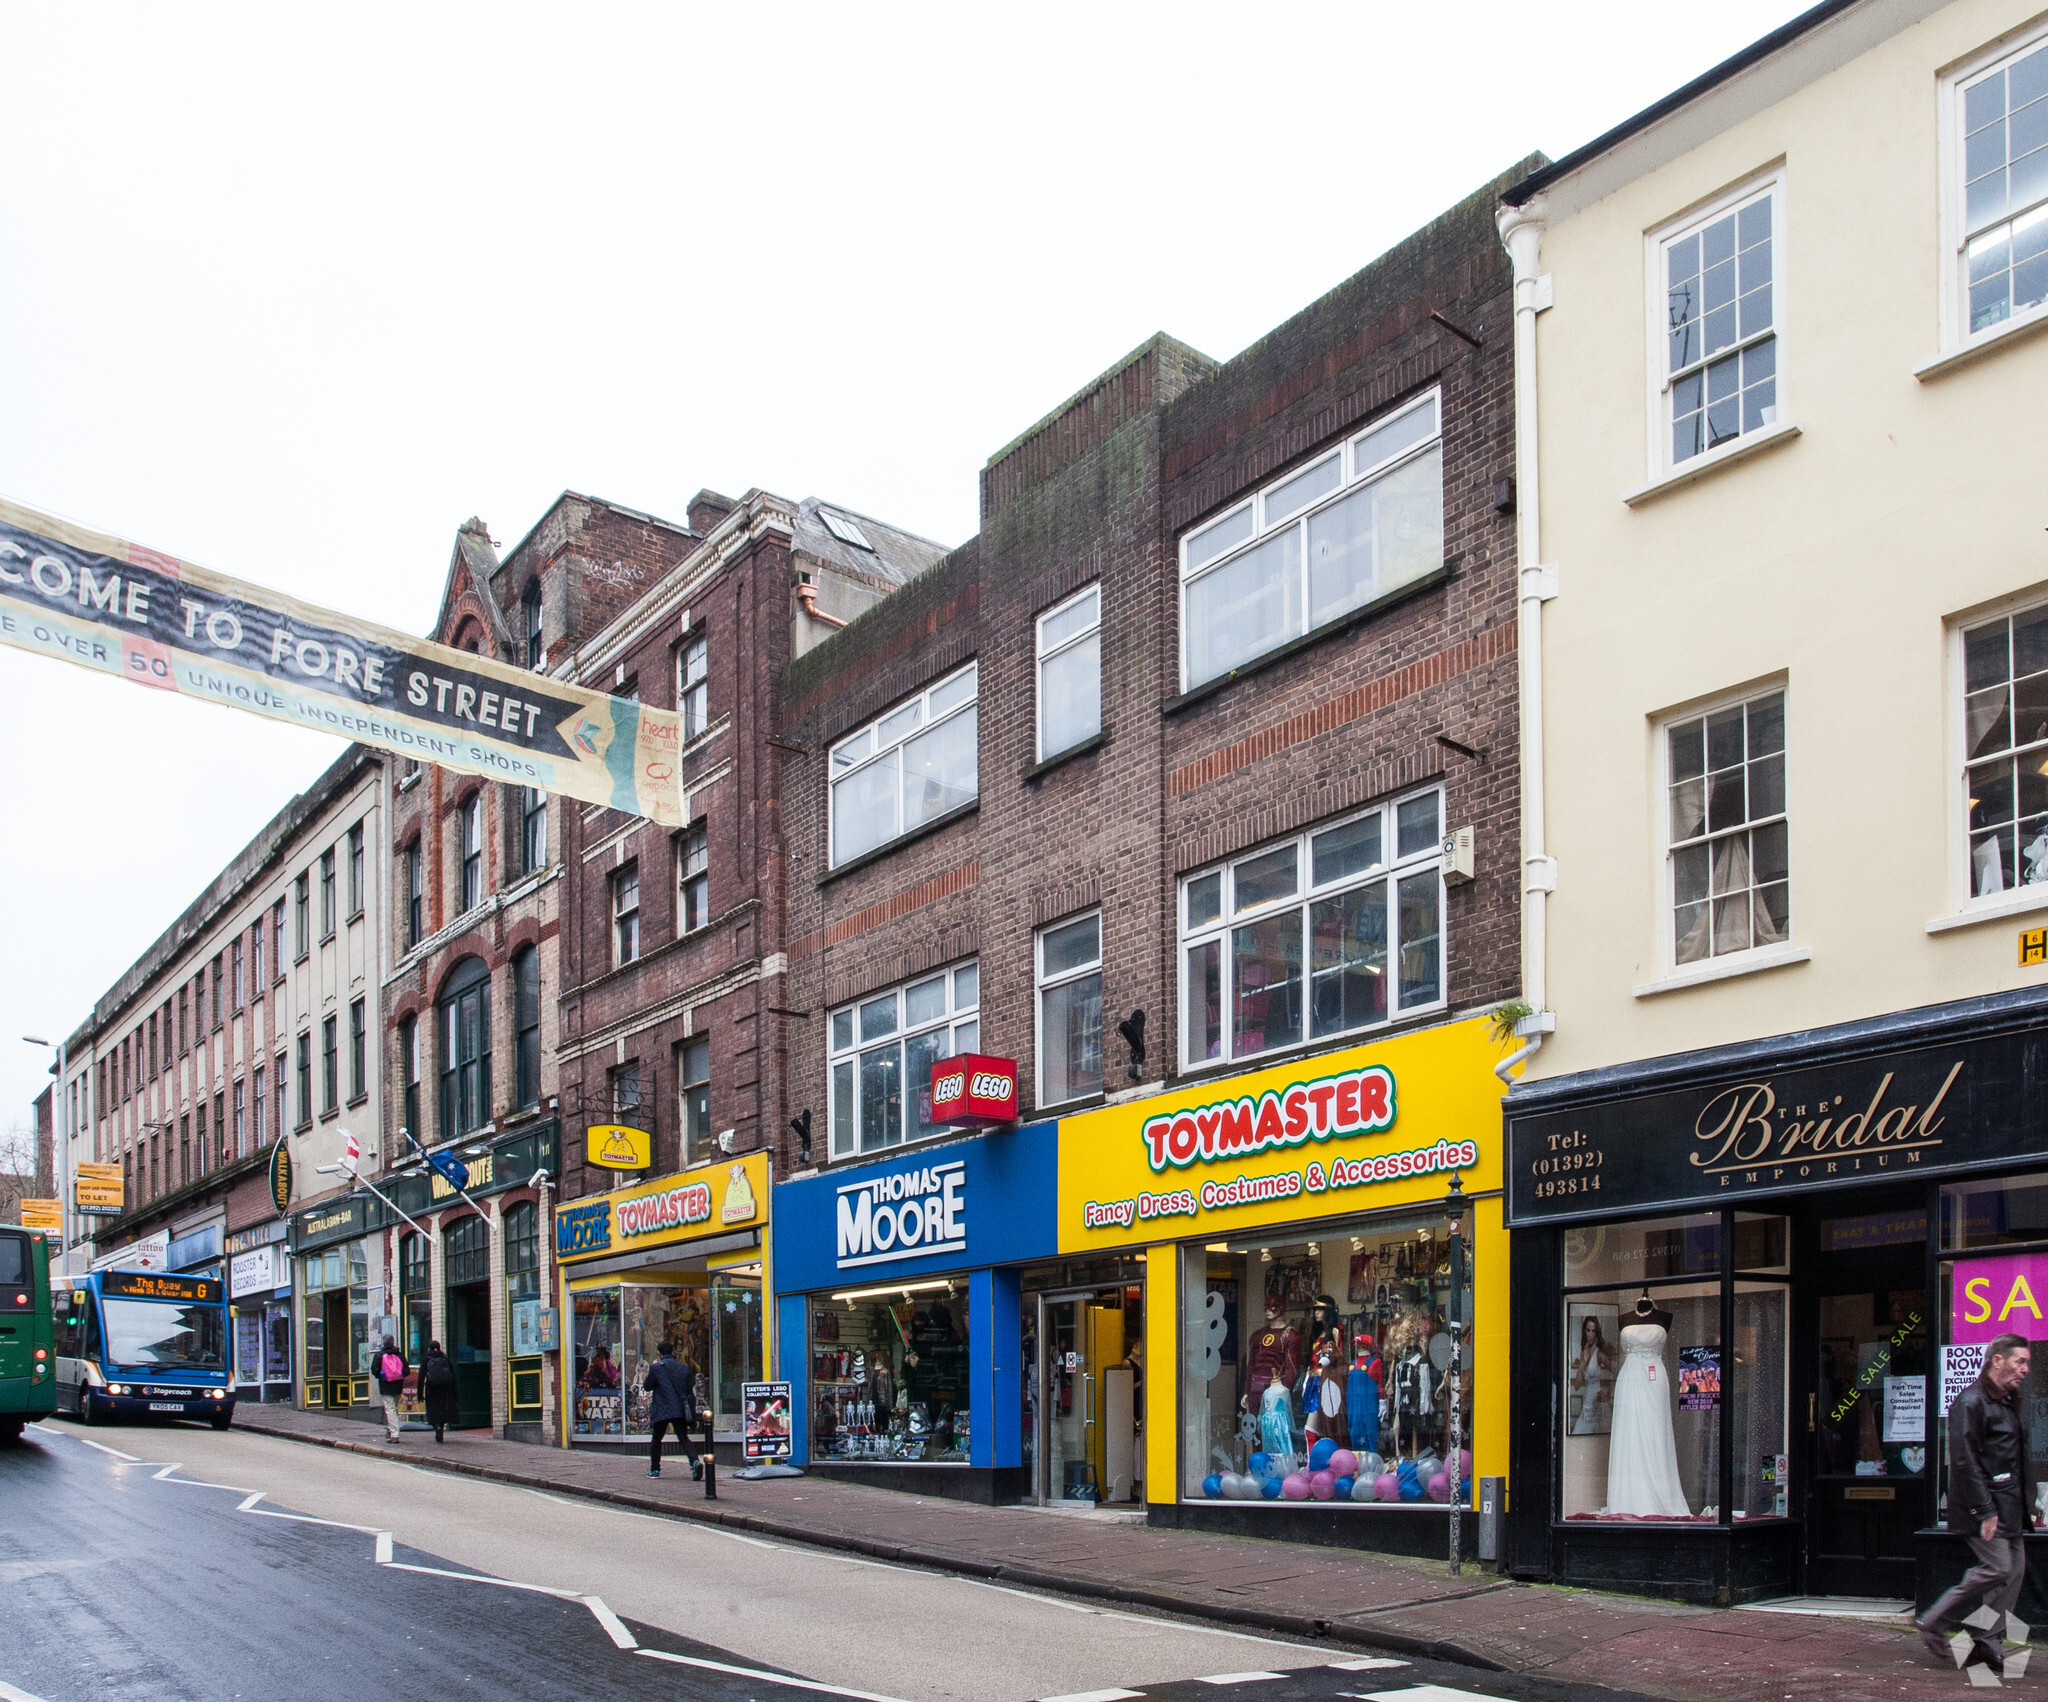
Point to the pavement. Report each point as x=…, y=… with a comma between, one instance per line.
x=1335, y=1598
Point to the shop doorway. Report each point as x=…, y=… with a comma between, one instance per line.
x=466, y=1252
x=1086, y=1418
x=1868, y=1405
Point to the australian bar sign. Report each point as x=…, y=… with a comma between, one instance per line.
x=145, y=617
x=1934, y=1110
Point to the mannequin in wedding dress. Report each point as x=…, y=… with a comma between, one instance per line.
x=1642, y=1453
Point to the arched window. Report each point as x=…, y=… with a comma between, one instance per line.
x=466, y=1251
x=536, y=647
x=463, y=1019
x=522, y=1251
x=526, y=1025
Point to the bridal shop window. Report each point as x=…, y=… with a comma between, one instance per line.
x=1647, y=1386
x=1317, y=1364
x=1994, y=1278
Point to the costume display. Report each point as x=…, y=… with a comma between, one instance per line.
x=1323, y=1386
x=901, y=1393
x=1642, y=1452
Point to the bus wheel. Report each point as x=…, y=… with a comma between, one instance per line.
x=221, y=1420
x=85, y=1405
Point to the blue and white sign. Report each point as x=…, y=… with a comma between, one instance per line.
x=947, y=1206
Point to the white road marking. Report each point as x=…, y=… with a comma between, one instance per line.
x=9, y=1693
x=614, y=1627
x=1371, y=1665
x=767, y=1677
x=1239, y=1677
x=132, y=1459
x=1095, y=1696
x=1433, y=1693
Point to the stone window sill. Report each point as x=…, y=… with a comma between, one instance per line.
x=1985, y=343
x=867, y=859
x=1705, y=466
x=2022, y=902
x=1724, y=969
x=1039, y=770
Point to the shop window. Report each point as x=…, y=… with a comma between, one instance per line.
x=1330, y=933
x=882, y=1049
x=466, y=1251
x=1314, y=545
x=522, y=1253
x=464, y=1020
x=1997, y=1282
x=415, y=1264
x=693, y=1074
x=1318, y=1369
x=888, y=1373
x=1647, y=1384
x=1070, y=673
x=526, y=1026
x=906, y=768
x=2005, y=744
x=650, y=1315
x=1728, y=846
x=1070, y=1010
x=600, y=1398
x=2009, y=1212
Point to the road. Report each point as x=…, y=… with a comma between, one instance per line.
x=175, y=1564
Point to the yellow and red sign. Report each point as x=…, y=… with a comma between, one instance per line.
x=972, y=1091
x=676, y=1208
x=1376, y=1125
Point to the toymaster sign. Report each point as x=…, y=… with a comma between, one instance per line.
x=1340, y=1132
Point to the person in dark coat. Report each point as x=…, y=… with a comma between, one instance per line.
x=437, y=1383
x=1990, y=1495
x=389, y=1367
x=673, y=1385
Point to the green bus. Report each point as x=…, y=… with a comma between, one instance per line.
x=28, y=1366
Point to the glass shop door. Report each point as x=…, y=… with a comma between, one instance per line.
x=1080, y=1336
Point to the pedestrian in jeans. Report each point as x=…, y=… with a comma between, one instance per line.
x=390, y=1369
x=1990, y=1490
x=674, y=1388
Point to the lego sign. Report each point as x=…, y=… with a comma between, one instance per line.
x=974, y=1092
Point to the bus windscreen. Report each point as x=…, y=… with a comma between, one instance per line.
x=166, y=1336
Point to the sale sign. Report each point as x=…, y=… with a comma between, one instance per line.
x=2006, y=1292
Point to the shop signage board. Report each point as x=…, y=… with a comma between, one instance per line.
x=510, y=1163
x=1933, y=1111
x=338, y=1220
x=974, y=1091
x=613, y=1146
x=149, y=1254
x=258, y=1271
x=715, y=1200
x=765, y=1431
x=96, y=1188
x=138, y=615
x=945, y=1205
x=281, y=1176
x=1382, y=1124
x=2003, y=1291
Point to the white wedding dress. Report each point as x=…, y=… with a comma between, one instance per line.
x=1642, y=1455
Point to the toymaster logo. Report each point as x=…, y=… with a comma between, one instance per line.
x=1357, y=1102
x=913, y=1214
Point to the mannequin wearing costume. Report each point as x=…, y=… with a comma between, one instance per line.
x=1323, y=1388
x=1275, y=1356
x=1363, y=1391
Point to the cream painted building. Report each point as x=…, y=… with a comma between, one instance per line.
x=1784, y=652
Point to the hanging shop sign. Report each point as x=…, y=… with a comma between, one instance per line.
x=281, y=1176
x=699, y=1203
x=972, y=1091
x=1927, y=1112
x=96, y=1189
x=613, y=1146
x=1346, y=1131
x=138, y=615
x=946, y=1205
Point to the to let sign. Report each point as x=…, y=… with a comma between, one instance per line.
x=974, y=1092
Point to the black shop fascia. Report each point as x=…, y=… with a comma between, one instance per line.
x=1739, y=1285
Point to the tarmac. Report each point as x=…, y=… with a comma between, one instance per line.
x=1345, y=1597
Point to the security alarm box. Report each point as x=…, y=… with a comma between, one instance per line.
x=1458, y=855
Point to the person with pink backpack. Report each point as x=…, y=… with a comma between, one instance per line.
x=390, y=1369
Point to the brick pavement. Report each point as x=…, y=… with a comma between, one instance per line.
x=1403, y=1605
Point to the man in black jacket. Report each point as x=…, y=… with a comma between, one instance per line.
x=1990, y=1492
x=673, y=1386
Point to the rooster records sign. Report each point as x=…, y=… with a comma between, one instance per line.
x=716, y=1200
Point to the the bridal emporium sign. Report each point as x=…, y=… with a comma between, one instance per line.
x=1931, y=1111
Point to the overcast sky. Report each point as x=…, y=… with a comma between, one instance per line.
x=292, y=294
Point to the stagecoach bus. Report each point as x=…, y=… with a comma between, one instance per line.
x=28, y=1371
x=135, y=1343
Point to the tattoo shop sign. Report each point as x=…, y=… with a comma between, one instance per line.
x=138, y=615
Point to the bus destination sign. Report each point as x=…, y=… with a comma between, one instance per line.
x=149, y=1285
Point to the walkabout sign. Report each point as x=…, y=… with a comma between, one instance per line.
x=281, y=1176
x=121, y=609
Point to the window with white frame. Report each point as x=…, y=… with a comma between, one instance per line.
x=471, y=870
x=693, y=877
x=1070, y=673
x=1364, y=520
x=1728, y=850
x=533, y=829
x=907, y=767
x=882, y=1049
x=2002, y=234
x=693, y=1080
x=2005, y=751
x=1070, y=1010
x=626, y=914
x=1334, y=931
x=693, y=686
x=1718, y=363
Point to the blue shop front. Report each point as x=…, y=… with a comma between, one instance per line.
x=906, y=1294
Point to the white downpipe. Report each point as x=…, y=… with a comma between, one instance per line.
x=1521, y=231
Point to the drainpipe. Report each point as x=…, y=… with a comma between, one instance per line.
x=1521, y=232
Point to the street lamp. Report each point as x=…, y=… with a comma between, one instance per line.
x=60, y=1135
x=1454, y=1213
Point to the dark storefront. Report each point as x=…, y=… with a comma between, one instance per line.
x=1853, y=1212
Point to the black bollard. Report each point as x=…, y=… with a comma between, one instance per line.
x=710, y=1477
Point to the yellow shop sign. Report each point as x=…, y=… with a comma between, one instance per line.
x=613, y=1146
x=678, y=1208
x=1377, y=1125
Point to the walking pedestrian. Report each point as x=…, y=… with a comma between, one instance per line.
x=673, y=1385
x=1990, y=1493
x=437, y=1383
x=391, y=1369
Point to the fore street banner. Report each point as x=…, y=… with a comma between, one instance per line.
x=127, y=611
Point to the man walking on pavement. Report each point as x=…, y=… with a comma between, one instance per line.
x=1990, y=1490
x=673, y=1386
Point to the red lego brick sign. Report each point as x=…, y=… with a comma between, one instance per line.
x=974, y=1092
